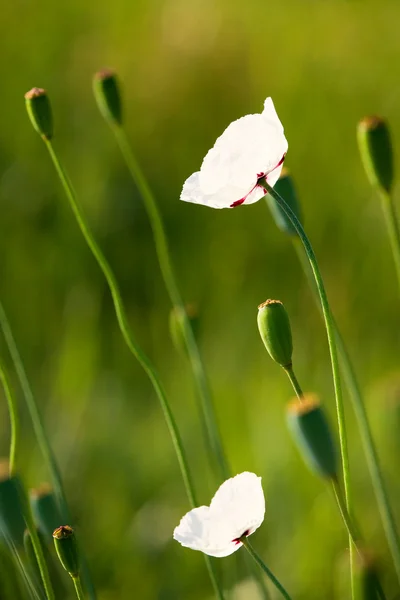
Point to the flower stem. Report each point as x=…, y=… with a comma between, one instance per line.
x=330, y=330
x=78, y=587
x=264, y=567
x=378, y=482
x=131, y=342
x=206, y=407
x=392, y=225
x=294, y=381
x=14, y=418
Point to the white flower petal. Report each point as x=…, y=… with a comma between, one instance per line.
x=250, y=147
x=237, y=509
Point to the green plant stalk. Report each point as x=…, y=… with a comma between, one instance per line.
x=204, y=394
x=205, y=402
x=378, y=482
x=330, y=331
x=34, y=413
x=392, y=225
x=256, y=557
x=294, y=381
x=78, y=587
x=14, y=418
x=41, y=436
x=130, y=341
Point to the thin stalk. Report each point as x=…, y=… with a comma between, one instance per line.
x=203, y=390
x=14, y=418
x=351, y=529
x=131, y=342
x=257, y=558
x=41, y=437
x=330, y=331
x=375, y=471
x=78, y=588
x=393, y=228
x=41, y=561
x=294, y=381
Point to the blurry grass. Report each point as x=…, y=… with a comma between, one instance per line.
x=188, y=69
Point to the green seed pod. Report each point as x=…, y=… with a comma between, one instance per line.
x=45, y=510
x=366, y=578
x=285, y=188
x=39, y=111
x=312, y=434
x=274, y=327
x=376, y=151
x=175, y=326
x=107, y=94
x=12, y=521
x=67, y=549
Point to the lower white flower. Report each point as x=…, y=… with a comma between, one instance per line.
x=236, y=511
x=250, y=148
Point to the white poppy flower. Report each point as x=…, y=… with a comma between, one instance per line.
x=236, y=510
x=250, y=148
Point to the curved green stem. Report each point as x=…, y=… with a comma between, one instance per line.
x=393, y=228
x=255, y=556
x=378, y=482
x=294, y=381
x=130, y=340
x=14, y=418
x=351, y=528
x=204, y=394
x=330, y=330
x=78, y=588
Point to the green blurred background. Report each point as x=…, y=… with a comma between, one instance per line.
x=189, y=67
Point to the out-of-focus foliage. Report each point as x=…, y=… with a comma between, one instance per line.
x=190, y=67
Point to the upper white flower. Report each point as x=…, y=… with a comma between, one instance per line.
x=250, y=148
x=236, y=510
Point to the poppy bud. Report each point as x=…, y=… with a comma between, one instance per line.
x=285, y=188
x=12, y=521
x=376, y=151
x=45, y=510
x=312, y=434
x=274, y=327
x=67, y=549
x=108, y=98
x=39, y=111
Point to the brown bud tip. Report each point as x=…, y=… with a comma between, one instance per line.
x=104, y=74
x=284, y=173
x=63, y=532
x=4, y=469
x=44, y=489
x=35, y=93
x=268, y=303
x=308, y=403
x=371, y=122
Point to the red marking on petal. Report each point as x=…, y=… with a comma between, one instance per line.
x=239, y=539
x=238, y=202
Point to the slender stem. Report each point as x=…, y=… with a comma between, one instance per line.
x=41, y=436
x=330, y=330
x=37, y=547
x=78, y=587
x=14, y=418
x=131, y=342
x=393, y=228
x=36, y=419
x=351, y=529
x=294, y=381
x=378, y=482
x=203, y=390
x=264, y=567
